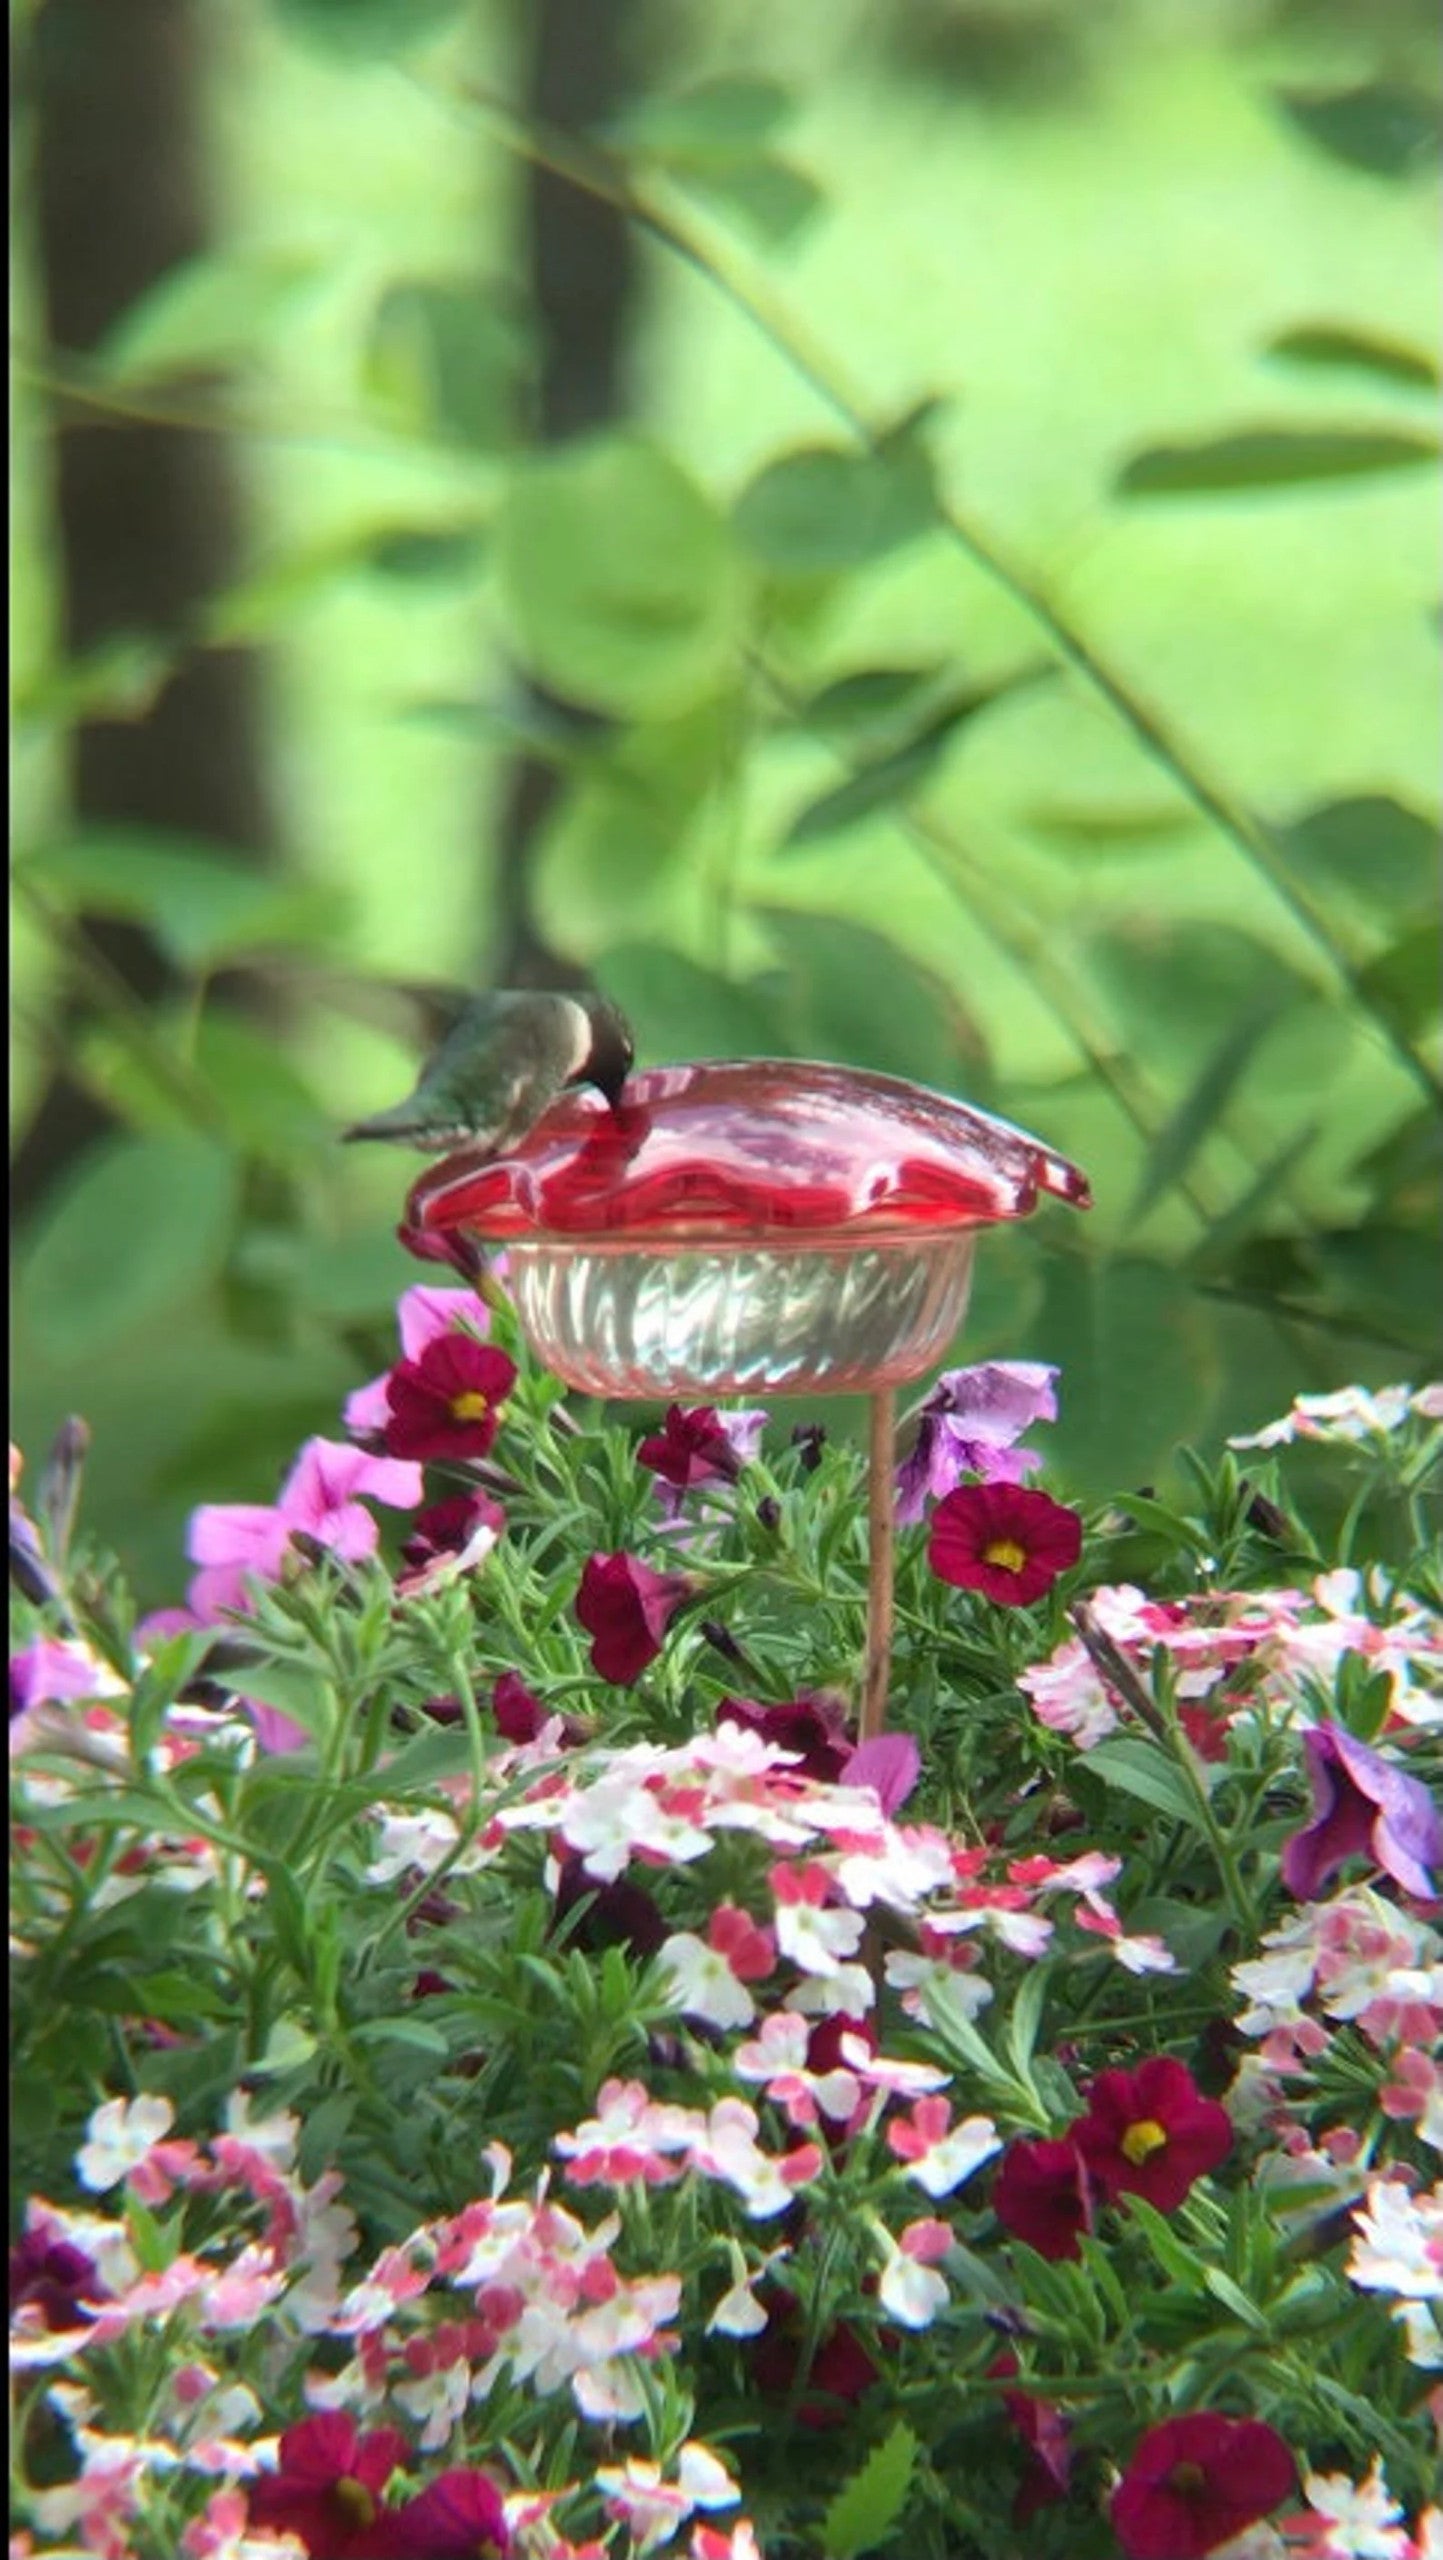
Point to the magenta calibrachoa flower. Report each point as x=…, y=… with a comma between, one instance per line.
x=447, y=1403
x=1043, y=2195
x=697, y=1444
x=423, y=1316
x=1151, y=2133
x=626, y=1609
x=1004, y=1541
x=328, y=2489
x=1196, y=2481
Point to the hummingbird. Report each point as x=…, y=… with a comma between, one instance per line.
x=507, y=1056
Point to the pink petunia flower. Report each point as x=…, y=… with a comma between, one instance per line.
x=1363, y=1805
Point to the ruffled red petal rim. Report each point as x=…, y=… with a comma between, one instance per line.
x=737, y=1148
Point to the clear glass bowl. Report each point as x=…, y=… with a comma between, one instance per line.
x=831, y=1315
x=741, y=1225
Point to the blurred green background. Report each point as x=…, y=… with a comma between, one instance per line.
x=898, y=530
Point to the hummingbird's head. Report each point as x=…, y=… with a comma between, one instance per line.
x=612, y=1052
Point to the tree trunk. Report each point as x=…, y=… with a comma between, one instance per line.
x=146, y=516
x=582, y=276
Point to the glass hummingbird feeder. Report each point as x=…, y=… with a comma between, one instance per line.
x=743, y=1227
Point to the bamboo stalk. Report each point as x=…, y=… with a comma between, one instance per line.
x=880, y=1465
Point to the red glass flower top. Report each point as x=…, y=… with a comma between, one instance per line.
x=746, y=1146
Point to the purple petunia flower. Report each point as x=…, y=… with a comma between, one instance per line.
x=1363, y=1806
x=970, y=1424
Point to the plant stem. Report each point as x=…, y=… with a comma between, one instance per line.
x=879, y=1562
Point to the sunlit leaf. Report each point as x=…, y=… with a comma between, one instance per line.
x=678, y=1009
x=141, y=1224
x=202, y=903
x=718, y=120
x=855, y=997
x=1103, y=831
x=874, y=698
x=866, y=2512
x=1383, y=852
x=444, y=358
x=823, y=509
x=364, y=29
x=1405, y=983
x=209, y=313
x=1383, y=126
x=1272, y=458
x=1172, y=1150
x=895, y=776
x=774, y=198
x=1330, y=346
x=617, y=577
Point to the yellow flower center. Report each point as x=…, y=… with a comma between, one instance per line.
x=1007, y=1553
x=1142, y=2139
x=470, y=1407
x=355, y=2501
x=1187, y=2478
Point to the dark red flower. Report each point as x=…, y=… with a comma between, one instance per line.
x=446, y=1404
x=448, y=1528
x=1043, y=2195
x=618, y=1914
x=1043, y=2430
x=327, y=2490
x=1004, y=1540
x=519, y=1715
x=457, y=2517
x=1195, y=2482
x=626, y=1609
x=1150, y=2132
x=841, y=2369
x=692, y=1447
x=813, y=1724
x=56, y=2277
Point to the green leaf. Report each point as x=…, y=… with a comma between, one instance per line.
x=1176, y=985
x=1172, y=1150
x=141, y=1225
x=444, y=358
x=119, y=679
x=855, y=997
x=774, y=198
x=875, y=698
x=408, y=2031
x=1100, y=831
x=300, y=1694
x=678, y=1009
x=616, y=578
x=207, y=314
x=1272, y=458
x=1139, y=1352
x=1140, y=1769
x=363, y=29
x=1232, y=2296
x=268, y=1108
x=1381, y=126
x=895, y=776
x=823, y=509
x=1328, y=345
x=1405, y=982
x=718, y=120
x=203, y=903
x=1384, y=853
x=1178, y=2262
x=867, y=2509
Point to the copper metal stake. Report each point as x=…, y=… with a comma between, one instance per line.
x=879, y=1570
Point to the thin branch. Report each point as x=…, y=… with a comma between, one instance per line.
x=603, y=175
